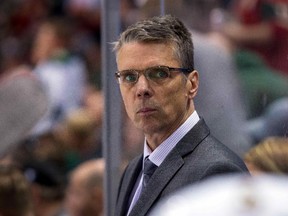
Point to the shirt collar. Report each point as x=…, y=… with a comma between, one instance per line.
x=160, y=153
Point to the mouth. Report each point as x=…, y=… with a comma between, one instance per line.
x=146, y=111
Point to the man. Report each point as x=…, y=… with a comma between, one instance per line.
x=62, y=74
x=158, y=83
x=85, y=189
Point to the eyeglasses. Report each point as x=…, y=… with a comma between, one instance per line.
x=157, y=74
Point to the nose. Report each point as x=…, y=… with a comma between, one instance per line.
x=143, y=87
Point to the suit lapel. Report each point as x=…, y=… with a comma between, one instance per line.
x=193, y=138
x=127, y=186
x=159, y=180
x=165, y=172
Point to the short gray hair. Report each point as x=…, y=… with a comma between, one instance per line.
x=165, y=29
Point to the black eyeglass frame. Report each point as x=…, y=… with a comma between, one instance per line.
x=144, y=72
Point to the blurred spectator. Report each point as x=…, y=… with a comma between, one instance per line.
x=273, y=122
x=94, y=104
x=48, y=188
x=257, y=37
x=80, y=136
x=86, y=17
x=258, y=25
x=47, y=148
x=84, y=196
x=42, y=161
x=269, y=156
x=15, y=194
x=63, y=74
x=87, y=13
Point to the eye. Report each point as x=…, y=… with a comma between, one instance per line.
x=129, y=77
x=158, y=73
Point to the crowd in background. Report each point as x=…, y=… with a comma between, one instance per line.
x=59, y=42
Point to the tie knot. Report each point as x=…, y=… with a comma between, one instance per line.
x=148, y=170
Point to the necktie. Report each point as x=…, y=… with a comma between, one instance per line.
x=149, y=168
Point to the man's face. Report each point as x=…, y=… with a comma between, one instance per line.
x=156, y=108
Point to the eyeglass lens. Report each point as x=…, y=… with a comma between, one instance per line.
x=154, y=74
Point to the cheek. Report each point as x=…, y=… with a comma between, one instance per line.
x=174, y=98
x=128, y=103
x=127, y=99
x=174, y=108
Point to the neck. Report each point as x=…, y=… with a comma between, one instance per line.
x=155, y=139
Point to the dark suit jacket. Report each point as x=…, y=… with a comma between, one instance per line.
x=198, y=155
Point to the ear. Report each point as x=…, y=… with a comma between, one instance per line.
x=193, y=79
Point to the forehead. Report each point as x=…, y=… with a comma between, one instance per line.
x=141, y=55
